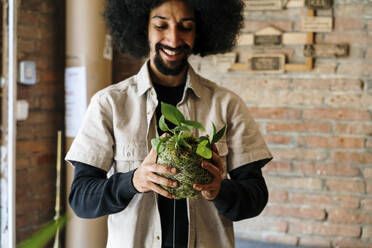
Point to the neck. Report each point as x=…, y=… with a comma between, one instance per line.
x=166, y=80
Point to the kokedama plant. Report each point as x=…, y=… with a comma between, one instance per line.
x=181, y=149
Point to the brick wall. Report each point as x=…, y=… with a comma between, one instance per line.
x=41, y=39
x=318, y=127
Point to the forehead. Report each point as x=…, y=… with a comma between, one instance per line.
x=173, y=9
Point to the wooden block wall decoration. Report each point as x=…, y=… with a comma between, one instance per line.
x=319, y=4
x=326, y=50
x=317, y=24
x=267, y=40
x=263, y=5
x=267, y=63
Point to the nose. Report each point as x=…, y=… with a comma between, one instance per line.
x=173, y=37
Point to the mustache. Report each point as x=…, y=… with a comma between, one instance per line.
x=186, y=48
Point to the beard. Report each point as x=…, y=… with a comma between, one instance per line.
x=173, y=68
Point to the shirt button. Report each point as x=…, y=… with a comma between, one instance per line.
x=157, y=237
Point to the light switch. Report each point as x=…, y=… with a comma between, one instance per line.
x=27, y=72
x=22, y=110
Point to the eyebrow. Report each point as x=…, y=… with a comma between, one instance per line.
x=182, y=20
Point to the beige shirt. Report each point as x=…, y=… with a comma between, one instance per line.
x=116, y=133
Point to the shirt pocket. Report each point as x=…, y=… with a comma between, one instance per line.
x=223, y=152
x=128, y=156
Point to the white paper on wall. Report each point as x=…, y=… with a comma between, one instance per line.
x=75, y=99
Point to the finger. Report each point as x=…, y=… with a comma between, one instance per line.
x=216, y=172
x=152, y=156
x=214, y=148
x=164, y=135
x=161, y=191
x=204, y=187
x=162, y=180
x=164, y=169
x=218, y=161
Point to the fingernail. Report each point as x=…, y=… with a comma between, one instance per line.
x=175, y=184
x=174, y=170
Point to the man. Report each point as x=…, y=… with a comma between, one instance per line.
x=120, y=122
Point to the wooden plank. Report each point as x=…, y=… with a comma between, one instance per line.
x=295, y=4
x=319, y=4
x=252, y=5
x=294, y=38
x=296, y=67
x=267, y=40
x=317, y=24
x=267, y=63
x=326, y=50
x=245, y=39
x=224, y=61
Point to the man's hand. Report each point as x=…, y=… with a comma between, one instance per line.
x=211, y=190
x=145, y=178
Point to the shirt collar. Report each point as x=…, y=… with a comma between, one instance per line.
x=144, y=80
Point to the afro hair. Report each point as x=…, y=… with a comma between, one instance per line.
x=217, y=24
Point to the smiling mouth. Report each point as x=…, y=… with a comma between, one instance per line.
x=171, y=52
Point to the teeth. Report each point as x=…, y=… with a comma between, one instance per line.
x=169, y=52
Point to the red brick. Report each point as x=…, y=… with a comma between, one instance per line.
x=26, y=46
x=277, y=166
x=261, y=224
x=328, y=84
x=278, y=196
x=275, y=113
x=253, y=26
x=353, y=128
x=282, y=239
x=296, y=212
x=367, y=204
x=299, y=154
x=349, y=100
x=352, y=157
x=277, y=139
x=369, y=143
x=342, y=24
x=294, y=183
x=367, y=173
x=367, y=233
x=34, y=146
x=355, y=68
x=314, y=127
x=322, y=68
x=346, y=185
x=349, y=216
x=325, y=200
x=255, y=84
x=351, y=38
x=325, y=229
x=332, y=142
x=369, y=187
x=314, y=242
x=348, y=10
x=281, y=97
x=313, y=168
x=348, y=243
x=336, y=114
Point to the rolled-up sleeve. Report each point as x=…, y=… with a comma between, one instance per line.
x=94, y=143
x=244, y=139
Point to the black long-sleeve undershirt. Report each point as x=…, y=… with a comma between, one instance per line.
x=93, y=194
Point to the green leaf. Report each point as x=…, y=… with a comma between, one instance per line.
x=44, y=235
x=156, y=131
x=155, y=143
x=203, y=149
x=181, y=128
x=184, y=143
x=172, y=114
x=163, y=126
x=194, y=124
x=219, y=134
x=213, y=133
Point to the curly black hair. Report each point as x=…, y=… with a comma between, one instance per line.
x=217, y=24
